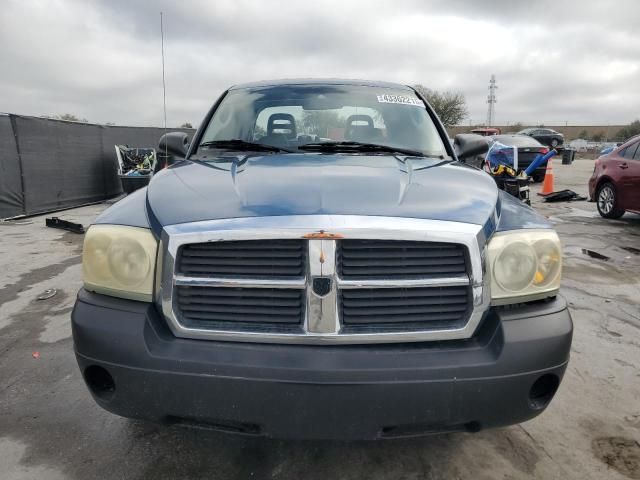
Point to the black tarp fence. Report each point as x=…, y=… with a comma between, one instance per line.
x=48, y=165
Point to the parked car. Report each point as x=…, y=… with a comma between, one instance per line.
x=528, y=149
x=607, y=149
x=578, y=144
x=546, y=136
x=486, y=132
x=615, y=183
x=364, y=285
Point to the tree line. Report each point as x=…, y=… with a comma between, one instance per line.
x=451, y=108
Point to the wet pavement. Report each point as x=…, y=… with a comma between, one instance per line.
x=50, y=427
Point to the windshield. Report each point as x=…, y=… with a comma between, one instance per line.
x=292, y=116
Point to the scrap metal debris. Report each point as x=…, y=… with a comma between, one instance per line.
x=13, y=221
x=136, y=166
x=55, y=222
x=135, y=161
x=48, y=293
x=563, y=196
x=595, y=255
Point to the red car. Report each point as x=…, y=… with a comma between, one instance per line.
x=486, y=132
x=615, y=183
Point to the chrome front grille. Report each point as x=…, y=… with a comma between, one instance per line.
x=323, y=279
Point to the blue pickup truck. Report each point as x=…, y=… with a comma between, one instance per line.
x=321, y=263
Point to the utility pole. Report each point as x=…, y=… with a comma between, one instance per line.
x=491, y=100
x=164, y=87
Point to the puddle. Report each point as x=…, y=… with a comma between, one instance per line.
x=14, y=453
x=594, y=254
x=578, y=212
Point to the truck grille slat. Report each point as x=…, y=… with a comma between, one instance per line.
x=393, y=259
x=403, y=261
x=408, y=294
x=400, y=321
x=249, y=310
x=238, y=292
x=399, y=252
x=398, y=310
x=233, y=301
x=258, y=262
x=399, y=271
x=247, y=245
x=359, y=244
x=403, y=302
x=198, y=255
x=231, y=318
x=245, y=258
x=234, y=271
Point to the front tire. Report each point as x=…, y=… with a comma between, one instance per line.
x=554, y=143
x=607, y=201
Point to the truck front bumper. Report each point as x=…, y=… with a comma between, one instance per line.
x=507, y=373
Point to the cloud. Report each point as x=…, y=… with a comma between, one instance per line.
x=554, y=61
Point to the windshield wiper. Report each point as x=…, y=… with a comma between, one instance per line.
x=244, y=145
x=359, y=147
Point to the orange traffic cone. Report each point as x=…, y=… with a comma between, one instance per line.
x=547, y=185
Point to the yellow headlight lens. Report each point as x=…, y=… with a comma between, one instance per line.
x=524, y=265
x=118, y=260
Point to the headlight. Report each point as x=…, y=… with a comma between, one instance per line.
x=119, y=261
x=524, y=265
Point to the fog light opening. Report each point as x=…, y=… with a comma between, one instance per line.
x=543, y=390
x=473, y=427
x=100, y=382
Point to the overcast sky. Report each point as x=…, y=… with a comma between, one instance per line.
x=555, y=61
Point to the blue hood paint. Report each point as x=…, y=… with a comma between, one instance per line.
x=515, y=215
x=327, y=184
x=307, y=184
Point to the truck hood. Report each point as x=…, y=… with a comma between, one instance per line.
x=307, y=184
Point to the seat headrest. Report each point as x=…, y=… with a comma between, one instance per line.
x=358, y=132
x=282, y=123
x=359, y=118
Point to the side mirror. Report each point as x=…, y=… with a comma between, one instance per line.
x=469, y=145
x=174, y=143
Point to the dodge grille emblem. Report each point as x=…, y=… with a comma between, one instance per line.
x=321, y=286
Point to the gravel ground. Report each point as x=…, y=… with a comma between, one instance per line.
x=50, y=427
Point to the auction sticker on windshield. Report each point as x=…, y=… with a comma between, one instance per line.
x=401, y=99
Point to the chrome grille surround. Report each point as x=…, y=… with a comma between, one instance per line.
x=322, y=324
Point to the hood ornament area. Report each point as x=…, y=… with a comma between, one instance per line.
x=321, y=286
x=322, y=235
